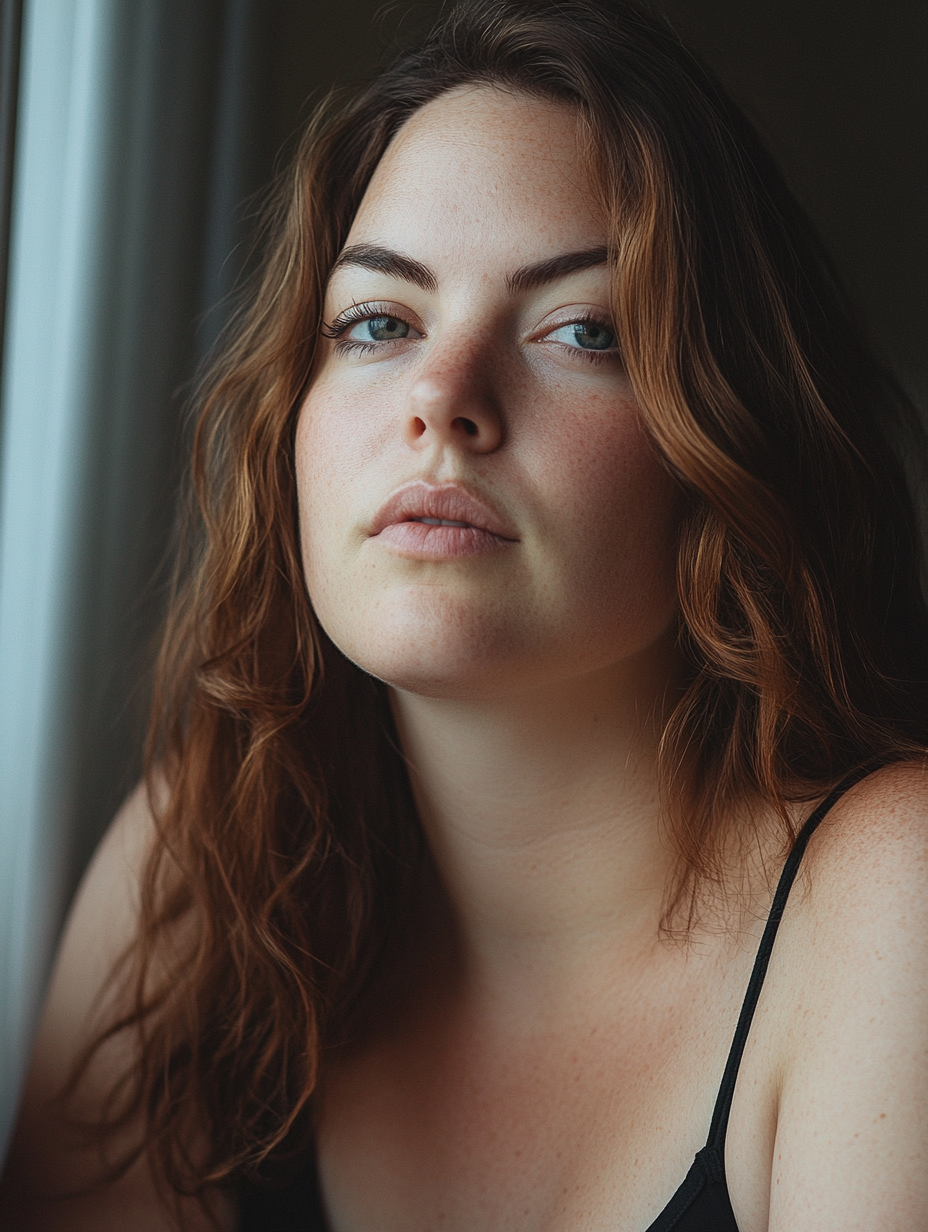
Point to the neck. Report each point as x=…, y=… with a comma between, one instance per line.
x=542, y=811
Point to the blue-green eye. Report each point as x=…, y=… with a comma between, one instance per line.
x=585, y=335
x=379, y=329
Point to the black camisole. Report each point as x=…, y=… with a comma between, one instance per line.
x=701, y=1204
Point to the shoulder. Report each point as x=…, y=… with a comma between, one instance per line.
x=101, y=923
x=852, y=1136
x=859, y=906
x=891, y=802
x=857, y=920
x=49, y=1182
x=867, y=862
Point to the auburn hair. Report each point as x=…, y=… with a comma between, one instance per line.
x=285, y=825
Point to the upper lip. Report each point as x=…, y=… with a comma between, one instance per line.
x=449, y=502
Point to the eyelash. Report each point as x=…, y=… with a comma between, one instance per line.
x=356, y=313
x=353, y=315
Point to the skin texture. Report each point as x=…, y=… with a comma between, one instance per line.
x=487, y=396
x=538, y=1058
x=545, y=1062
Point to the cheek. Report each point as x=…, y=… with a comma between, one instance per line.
x=339, y=448
x=613, y=500
x=327, y=469
x=346, y=464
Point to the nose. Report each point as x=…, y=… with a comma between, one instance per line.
x=452, y=402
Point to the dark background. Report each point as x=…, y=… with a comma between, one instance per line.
x=214, y=96
x=837, y=88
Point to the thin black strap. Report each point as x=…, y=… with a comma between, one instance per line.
x=717, y=1129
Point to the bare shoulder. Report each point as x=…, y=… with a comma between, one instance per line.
x=887, y=807
x=100, y=925
x=852, y=1133
x=50, y=1166
x=104, y=915
x=866, y=867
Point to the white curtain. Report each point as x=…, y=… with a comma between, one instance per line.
x=113, y=186
x=47, y=445
x=143, y=126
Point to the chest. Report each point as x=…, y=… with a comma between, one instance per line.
x=592, y=1125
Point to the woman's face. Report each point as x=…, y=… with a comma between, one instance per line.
x=480, y=509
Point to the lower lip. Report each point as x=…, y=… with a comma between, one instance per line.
x=419, y=539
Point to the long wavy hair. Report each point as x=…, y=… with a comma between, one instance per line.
x=287, y=840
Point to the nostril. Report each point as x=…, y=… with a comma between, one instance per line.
x=468, y=425
x=418, y=426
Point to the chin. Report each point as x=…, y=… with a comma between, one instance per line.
x=433, y=670
x=446, y=650
x=438, y=642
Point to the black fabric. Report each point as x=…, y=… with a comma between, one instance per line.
x=298, y=1208
x=701, y=1204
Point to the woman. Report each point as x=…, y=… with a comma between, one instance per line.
x=556, y=572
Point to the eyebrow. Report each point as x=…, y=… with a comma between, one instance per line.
x=385, y=261
x=398, y=265
x=530, y=276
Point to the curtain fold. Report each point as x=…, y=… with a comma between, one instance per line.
x=111, y=185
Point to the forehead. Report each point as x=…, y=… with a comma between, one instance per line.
x=488, y=168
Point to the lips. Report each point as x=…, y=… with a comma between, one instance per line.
x=439, y=521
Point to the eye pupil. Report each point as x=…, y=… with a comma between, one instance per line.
x=383, y=329
x=593, y=337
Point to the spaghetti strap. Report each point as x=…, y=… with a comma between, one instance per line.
x=719, y=1125
x=700, y=1204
